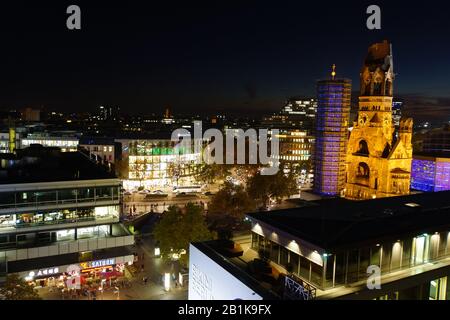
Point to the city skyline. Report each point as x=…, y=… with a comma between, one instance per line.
x=224, y=151
x=213, y=58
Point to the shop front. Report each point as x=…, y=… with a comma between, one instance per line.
x=47, y=277
x=101, y=271
x=90, y=273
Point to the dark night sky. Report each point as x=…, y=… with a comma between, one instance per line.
x=213, y=56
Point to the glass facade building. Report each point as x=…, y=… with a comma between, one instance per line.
x=405, y=240
x=67, y=144
x=333, y=112
x=430, y=174
x=344, y=267
x=51, y=219
x=160, y=164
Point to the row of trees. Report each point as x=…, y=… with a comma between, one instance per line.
x=180, y=226
x=235, y=200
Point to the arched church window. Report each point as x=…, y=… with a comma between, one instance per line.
x=363, y=148
x=363, y=170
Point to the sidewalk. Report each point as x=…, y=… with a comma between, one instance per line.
x=153, y=290
x=137, y=291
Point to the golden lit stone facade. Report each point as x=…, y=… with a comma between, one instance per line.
x=378, y=158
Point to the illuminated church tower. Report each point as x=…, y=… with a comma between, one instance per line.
x=378, y=158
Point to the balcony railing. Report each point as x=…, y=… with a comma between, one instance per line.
x=56, y=202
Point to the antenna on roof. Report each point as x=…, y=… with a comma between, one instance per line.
x=333, y=71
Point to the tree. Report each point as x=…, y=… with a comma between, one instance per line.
x=229, y=205
x=211, y=173
x=121, y=167
x=265, y=187
x=180, y=226
x=15, y=288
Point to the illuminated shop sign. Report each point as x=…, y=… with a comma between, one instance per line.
x=43, y=272
x=98, y=263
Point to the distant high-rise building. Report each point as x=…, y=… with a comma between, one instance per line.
x=108, y=113
x=397, y=107
x=295, y=154
x=333, y=111
x=301, y=106
x=378, y=158
x=298, y=113
x=437, y=140
x=31, y=115
x=167, y=113
x=168, y=117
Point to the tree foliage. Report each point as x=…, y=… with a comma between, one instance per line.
x=15, y=288
x=278, y=186
x=121, y=168
x=211, y=173
x=232, y=201
x=180, y=226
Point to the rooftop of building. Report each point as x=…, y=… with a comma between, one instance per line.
x=96, y=141
x=339, y=223
x=230, y=259
x=48, y=164
x=432, y=154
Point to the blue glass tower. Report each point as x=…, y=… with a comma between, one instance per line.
x=333, y=112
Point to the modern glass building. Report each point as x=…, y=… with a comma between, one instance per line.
x=333, y=112
x=389, y=248
x=160, y=164
x=59, y=210
x=397, y=107
x=430, y=173
x=403, y=236
x=67, y=144
x=296, y=147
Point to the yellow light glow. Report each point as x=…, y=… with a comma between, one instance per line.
x=167, y=281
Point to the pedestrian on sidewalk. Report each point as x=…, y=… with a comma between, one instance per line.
x=142, y=268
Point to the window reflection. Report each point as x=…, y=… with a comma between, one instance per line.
x=90, y=232
x=59, y=216
x=68, y=195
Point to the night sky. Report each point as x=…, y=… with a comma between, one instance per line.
x=214, y=56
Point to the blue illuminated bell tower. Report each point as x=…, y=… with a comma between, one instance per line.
x=333, y=113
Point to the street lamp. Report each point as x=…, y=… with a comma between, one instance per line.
x=167, y=281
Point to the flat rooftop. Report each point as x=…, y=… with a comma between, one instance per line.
x=235, y=266
x=339, y=223
x=40, y=164
x=432, y=154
